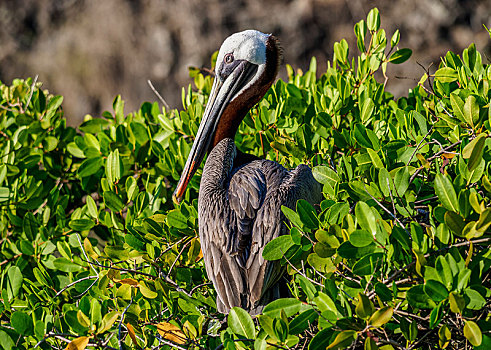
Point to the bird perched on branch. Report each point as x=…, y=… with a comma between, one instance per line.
x=240, y=195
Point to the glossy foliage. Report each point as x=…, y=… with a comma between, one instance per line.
x=93, y=252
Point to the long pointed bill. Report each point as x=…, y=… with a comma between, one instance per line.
x=221, y=94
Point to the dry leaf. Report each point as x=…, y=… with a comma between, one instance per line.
x=131, y=333
x=78, y=344
x=171, y=332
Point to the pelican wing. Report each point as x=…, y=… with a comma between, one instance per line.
x=246, y=194
x=270, y=224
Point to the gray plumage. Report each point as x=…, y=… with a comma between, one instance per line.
x=239, y=211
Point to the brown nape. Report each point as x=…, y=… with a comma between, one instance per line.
x=236, y=110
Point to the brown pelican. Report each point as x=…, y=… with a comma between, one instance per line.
x=240, y=195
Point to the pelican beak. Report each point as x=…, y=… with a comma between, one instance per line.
x=222, y=92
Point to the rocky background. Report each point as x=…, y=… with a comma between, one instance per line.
x=91, y=50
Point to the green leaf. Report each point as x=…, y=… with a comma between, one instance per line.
x=323, y=265
x=307, y=214
x=91, y=207
x=370, y=344
x=381, y=316
x=366, y=265
x=444, y=336
x=176, y=219
x=65, y=265
x=401, y=181
x=362, y=137
x=343, y=340
x=457, y=106
x=321, y=340
x=275, y=249
x=303, y=321
x=30, y=226
x=81, y=224
x=361, y=238
x=484, y=220
x=366, y=218
x=395, y=39
x=367, y=110
x=15, y=281
x=417, y=298
x=90, y=166
x=474, y=151
x=472, y=332
x=290, y=305
x=53, y=104
x=114, y=167
x=455, y=222
x=476, y=300
x=446, y=75
x=400, y=56
x=373, y=19
x=364, y=307
x=116, y=252
x=4, y=194
x=325, y=175
x=292, y=216
x=377, y=162
x=75, y=151
x=22, y=323
x=240, y=322
x=446, y=192
x=457, y=302
x=113, y=201
x=6, y=341
x=471, y=110
x=436, y=290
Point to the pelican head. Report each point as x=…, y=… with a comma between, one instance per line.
x=246, y=66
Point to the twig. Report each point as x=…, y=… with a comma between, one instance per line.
x=411, y=179
x=221, y=346
x=419, y=144
x=166, y=105
x=121, y=269
x=170, y=247
x=85, y=254
x=121, y=322
x=300, y=272
x=461, y=244
x=166, y=342
x=177, y=258
x=427, y=333
x=387, y=211
x=391, y=197
x=199, y=286
x=30, y=94
x=88, y=288
x=74, y=283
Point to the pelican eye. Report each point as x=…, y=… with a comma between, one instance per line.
x=229, y=58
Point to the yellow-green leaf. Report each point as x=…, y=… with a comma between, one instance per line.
x=343, y=340
x=446, y=192
x=474, y=151
x=381, y=316
x=457, y=302
x=108, y=321
x=446, y=75
x=364, y=308
x=471, y=110
x=473, y=333
x=444, y=336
